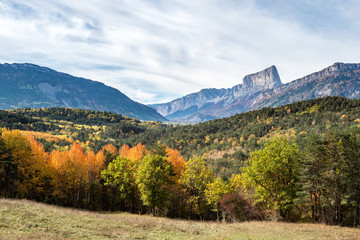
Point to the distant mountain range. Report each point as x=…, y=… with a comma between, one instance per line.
x=28, y=85
x=263, y=89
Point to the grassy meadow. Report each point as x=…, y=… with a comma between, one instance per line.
x=22, y=219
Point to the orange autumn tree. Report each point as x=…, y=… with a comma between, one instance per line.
x=77, y=168
x=176, y=159
x=135, y=153
x=177, y=195
x=74, y=171
x=58, y=167
x=108, y=153
x=138, y=152
x=124, y=151
x=42, y=179
x=94, y=164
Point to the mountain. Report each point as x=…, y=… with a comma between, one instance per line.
x=339, y=79
x=216, y=103
x=28, y=85
x=263, y=89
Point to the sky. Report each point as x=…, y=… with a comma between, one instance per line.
x=158, y=50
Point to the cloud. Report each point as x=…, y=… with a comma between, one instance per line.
x=158, y=50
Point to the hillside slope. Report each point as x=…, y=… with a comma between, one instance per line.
x=28, y=85
x=21, y=219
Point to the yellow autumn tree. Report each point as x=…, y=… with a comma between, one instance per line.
x=30, y=160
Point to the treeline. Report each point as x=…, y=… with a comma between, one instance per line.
x=243, y=132
x=248, y=129
x=314, y=180
x=131, y=179
x=36, y=119
x=232, y=139
x=317, y=181
x=95, y=127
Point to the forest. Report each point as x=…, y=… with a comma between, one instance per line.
x=296, y=163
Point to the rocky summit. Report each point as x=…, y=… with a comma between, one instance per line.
x=263, y=89
x=267, y=79
x=339, y=79
x=216, y=103
x=29, y=85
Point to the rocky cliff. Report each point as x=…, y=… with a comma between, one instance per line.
x=267, y=79
x=339, y=79
x=263, y=89
x=28, y=85
x=216, y=103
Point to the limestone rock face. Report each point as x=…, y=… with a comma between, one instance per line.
x=266, y=79
x=263, y=89
x=216, y=103
x=339, y=79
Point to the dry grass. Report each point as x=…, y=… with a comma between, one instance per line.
x=21, y=219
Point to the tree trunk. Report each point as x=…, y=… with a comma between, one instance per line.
x=357, y=213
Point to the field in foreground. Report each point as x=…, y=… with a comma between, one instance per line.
x=22, y=219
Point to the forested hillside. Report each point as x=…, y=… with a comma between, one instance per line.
x=60, y=127
x=298, y=162
x=224, y=143
x=29, y=85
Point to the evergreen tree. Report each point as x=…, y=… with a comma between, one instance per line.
x=351, y=170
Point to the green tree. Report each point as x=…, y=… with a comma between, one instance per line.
x=154, y=179
x=273, y=171
x=195, y=180
x=120, y=173
x=313, y=183
x=350, y=140
x=334, y=176
x=214, y=192
x=323, y=179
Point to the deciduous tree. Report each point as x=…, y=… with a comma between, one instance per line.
x=153, y=179
x=120, y=173
x=194, y=181
x=273, y=171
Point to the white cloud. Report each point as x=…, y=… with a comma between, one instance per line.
x=154, y=51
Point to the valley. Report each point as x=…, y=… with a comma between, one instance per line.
x=103, y=161
x=174, y=119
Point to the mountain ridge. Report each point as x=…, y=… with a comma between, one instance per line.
x=30, y=85
x=339, y=79
x=214, y=103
